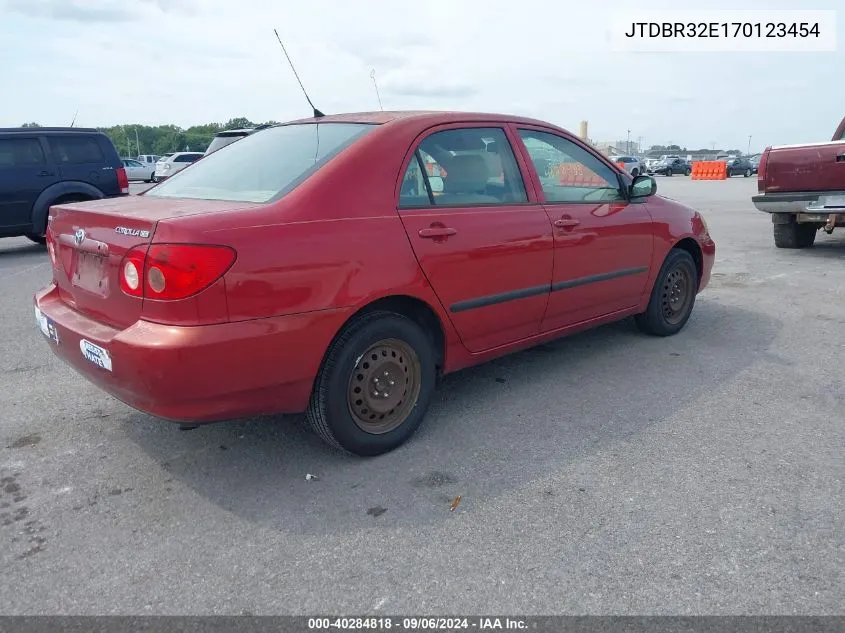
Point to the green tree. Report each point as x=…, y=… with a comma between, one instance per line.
x=33, y=124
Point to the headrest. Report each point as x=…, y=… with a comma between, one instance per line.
x=467, y=173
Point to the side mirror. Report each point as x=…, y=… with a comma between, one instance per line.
x=642, y=187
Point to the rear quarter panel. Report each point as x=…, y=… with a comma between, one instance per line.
x=336, y=241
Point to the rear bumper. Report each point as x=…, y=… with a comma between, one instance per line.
x=790, y=202
x=202, y=373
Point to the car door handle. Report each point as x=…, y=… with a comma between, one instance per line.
x=46, y=173
x=443, y=231
x=566, y=223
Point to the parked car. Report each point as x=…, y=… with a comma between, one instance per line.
x=136, y=170
x=40, y=167
x=739, y=165
x=148, y=159
x=174, y=163
x=803, y=188
x=227, y=137
x=755, y=162
x=632, y=164
x=315, y=258
x=671, y=166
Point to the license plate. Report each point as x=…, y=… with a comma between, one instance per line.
x=95, y=354
x=90, y=273
x=47, y=327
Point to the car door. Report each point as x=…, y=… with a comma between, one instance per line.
x=484, y=243
x=24, y=174
x=603, y=242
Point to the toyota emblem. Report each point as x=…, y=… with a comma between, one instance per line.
x=79, y=237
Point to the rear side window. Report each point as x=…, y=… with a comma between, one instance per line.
x=219, y=142
x=20, y=152
x=75, y=150
x=264, y=166
x=186, y=158
x=463, y=167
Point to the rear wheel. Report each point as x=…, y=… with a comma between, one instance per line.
x=729, y=173
x=152, y=177
x=794, y=235
x=747, y=173
x=375, y=385
x=38, y=239
x=635, y=172
x=687, y=172
x=672, y=297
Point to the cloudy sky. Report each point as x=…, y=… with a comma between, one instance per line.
x=196, y=61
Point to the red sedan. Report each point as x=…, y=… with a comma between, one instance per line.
x=337, y=265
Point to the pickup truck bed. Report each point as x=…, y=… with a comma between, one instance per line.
x=803, y=188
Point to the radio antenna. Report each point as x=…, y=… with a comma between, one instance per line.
x=74, y=118
x=317, y=113
x=378, y=96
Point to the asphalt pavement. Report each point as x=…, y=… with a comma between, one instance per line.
x=605, y=473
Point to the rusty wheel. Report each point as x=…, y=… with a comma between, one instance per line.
x=673, y=296
x=384, y=386
x=677, y=290
x=375, y=384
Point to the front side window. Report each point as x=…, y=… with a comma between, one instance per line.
x=463, y=167
x=567, y=172
x=264, y=166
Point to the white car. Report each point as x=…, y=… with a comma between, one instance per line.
x=175, y=163
x=136, y=170
x=631, y=164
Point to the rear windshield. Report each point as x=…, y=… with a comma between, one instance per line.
x=222, y=141
x=264, y=166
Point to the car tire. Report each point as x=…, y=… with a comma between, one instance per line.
x=38, y=239
x=635, y=172
x=673, y=296
x=152, y=177
x=687, y=172
x=729, y=173
x=794, y=235
x=669, y=172
x=747, y=173
x=368, y=357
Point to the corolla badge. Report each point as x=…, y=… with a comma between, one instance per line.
x=79, y=237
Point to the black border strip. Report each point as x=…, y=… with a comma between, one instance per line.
x=581, y=281
x=523, y=293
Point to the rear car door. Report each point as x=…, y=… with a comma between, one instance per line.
x=603, y=242
x=24, y=174
x=485, y=246
x=80, y=157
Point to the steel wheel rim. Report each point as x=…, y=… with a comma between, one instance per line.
x=677, y=294
x=384, y=386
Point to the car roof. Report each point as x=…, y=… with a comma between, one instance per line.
x=42, y=130
x=431, y=117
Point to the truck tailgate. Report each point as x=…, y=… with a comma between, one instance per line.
x=810, y=167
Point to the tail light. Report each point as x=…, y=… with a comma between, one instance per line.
x=761, y=170
x=169, y=272
x=51, y=248
x=122, y=180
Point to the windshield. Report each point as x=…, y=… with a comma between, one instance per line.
x=264, y=166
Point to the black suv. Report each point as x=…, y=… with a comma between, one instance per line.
x=740, y=165
x=40, y=167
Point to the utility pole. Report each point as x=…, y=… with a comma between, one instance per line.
x=628, y=143
x=713, y=146
x=749, y=146
x=639, y=145
x=137, y=142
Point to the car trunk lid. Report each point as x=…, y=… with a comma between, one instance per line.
x=88, y=241
x=809, y=167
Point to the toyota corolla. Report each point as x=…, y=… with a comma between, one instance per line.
x=337, y=265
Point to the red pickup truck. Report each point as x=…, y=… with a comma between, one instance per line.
x=803, y=188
